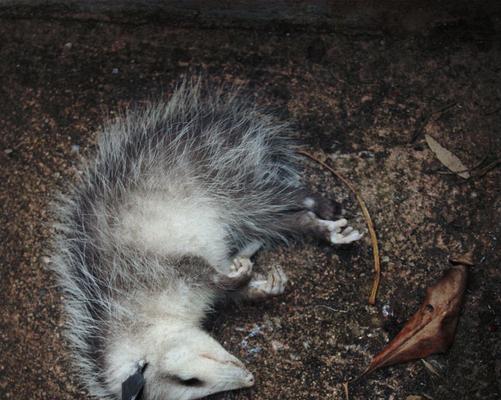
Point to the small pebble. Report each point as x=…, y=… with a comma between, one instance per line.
x=45, y=259
x=255, y=350
x=387, y=311
x=277, y=346
x=256, y=330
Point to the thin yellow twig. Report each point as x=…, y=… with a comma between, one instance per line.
x=346, y=390
x=368, y=221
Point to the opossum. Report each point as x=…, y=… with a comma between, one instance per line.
x=162, y=224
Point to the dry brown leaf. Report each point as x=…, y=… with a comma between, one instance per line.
x=430, y=367
x=451, y=161
x=463, y=259
x=431, y=329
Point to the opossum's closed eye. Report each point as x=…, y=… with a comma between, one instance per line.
x=191, y=382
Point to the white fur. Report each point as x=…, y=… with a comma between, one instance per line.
x=309, y=203
x=172, y=194
x=167, y=224
x=175, y=351
x=250, y=249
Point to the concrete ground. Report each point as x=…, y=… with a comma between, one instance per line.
x=360, y=98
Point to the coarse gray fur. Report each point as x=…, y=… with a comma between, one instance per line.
x=174, y=192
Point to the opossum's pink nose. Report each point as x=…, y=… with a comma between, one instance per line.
x=249, y=380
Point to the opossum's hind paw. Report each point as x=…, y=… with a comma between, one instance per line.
x=338, y=235
x=274, y=285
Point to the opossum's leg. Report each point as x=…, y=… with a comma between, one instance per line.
x=250, y=249
x=335, y=232
x=261, y=287
x=240, y=274
x=324, y=208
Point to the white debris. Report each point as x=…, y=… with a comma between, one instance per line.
x=277, y=346
x=387, y=311
x=45, y=259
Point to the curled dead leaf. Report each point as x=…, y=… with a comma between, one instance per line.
x=450, y=160
x=464, y=259
x=432, y=328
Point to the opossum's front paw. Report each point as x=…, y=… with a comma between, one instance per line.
x=239, y=275
x=338, y=235
x=240, y=269
x=273, y=285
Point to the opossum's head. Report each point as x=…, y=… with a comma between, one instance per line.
x=191, y=365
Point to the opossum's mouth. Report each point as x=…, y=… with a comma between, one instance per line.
x=210, y=357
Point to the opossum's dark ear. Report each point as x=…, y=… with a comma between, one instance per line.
x=132, y=387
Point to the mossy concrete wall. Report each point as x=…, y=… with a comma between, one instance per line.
x=388, y=15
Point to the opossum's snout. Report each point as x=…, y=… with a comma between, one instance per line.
x=196, y=366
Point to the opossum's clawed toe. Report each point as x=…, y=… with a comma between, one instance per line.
x=240, y=273
x=348, y=235
x=241, y=268
x=274, y=284
x=194, y=367
x=338, y=236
